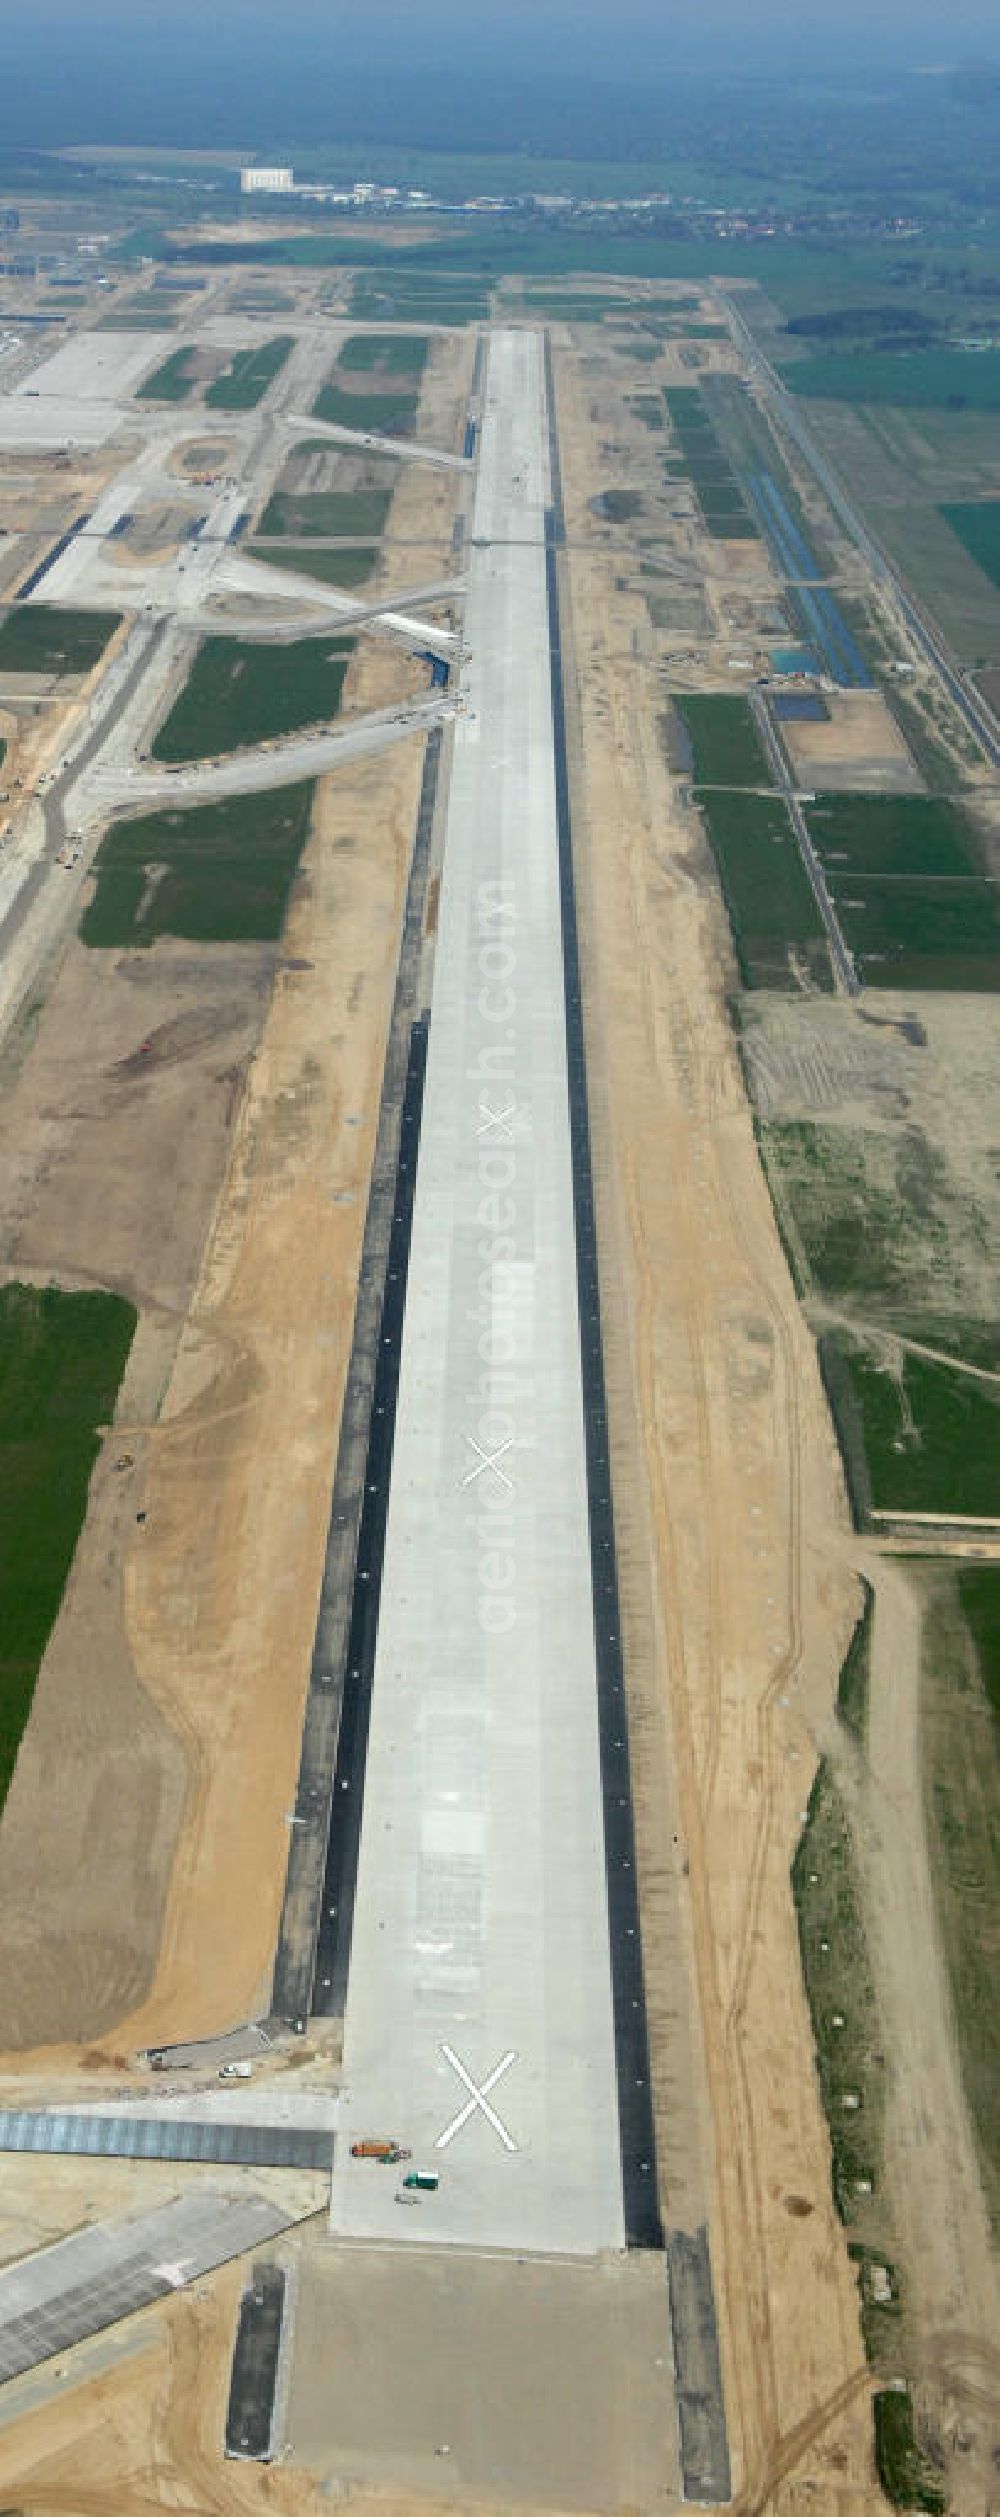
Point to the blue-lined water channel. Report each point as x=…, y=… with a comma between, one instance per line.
x=822, y=619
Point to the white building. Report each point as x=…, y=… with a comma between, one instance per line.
x=265, y=179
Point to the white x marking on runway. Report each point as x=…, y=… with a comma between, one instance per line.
x=477, y=2100
x=488, y=1459
x=497, y=1118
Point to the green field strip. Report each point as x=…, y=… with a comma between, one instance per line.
x=213, y=874
x=62, y=1356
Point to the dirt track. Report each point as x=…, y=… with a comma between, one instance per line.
x=752, y=1609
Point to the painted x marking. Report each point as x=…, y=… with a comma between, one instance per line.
x=477, y=2103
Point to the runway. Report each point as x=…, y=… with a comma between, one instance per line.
x=479, y=2026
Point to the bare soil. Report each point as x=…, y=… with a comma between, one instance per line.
x=860, y=747
x=735, y=1655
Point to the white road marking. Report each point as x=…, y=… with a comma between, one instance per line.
x=499, y=1119
x=489, y=1459
x=478, y=2099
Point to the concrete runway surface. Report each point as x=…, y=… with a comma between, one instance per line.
x=479, y=2027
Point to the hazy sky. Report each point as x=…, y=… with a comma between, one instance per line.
x=597, y=37
x=483, y=74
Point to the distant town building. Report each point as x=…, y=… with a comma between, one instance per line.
x=265, y=179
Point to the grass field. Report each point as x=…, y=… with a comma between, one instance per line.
x=874, y=1220
x=419, y=296
x=170, y=383
x=908, y=933
x=373, y=414
x=724, y=742
x=216, y=874
x=960, y=1762
x=775, y=922
x=942, y=574
x=979, y=1598
x=937, y=379
x=385, y=353
x=838, y=1980
x=39, y=638
x=579, y=305
x=62, y=1356
x=238, y=694
x=707, y=464
x=346, y=568
x=348, y=512
x=915, y=1438
x=247, y=379
x=853, y=1684
x=261, y=301
x=903, y=2472
x=894, y=834
x=977, y=524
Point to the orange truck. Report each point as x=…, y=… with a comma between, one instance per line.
x=388, y=2151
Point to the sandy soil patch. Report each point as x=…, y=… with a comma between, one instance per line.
x=859, y=747
x=217, y=1588
x=221, y=1595
x=738, y=1626
x=113, y=1142
x=206, y=460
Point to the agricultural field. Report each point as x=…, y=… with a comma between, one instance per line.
x=908, y=933
x=960, y=1758
x=248, y=376
x=978, y=528
x=894, y=835
x=350, y=565
x=938, y=379
x=943, y=575
x=725, y=746
x=396, y=294
x=914, y=472
x=706, y=463
x=240, y=694
x=173, y=381
x=261, y=301
x=384, y=354
x=62, y=1356
x=334, y=514
x=387, y=414
x=41, y=638
x=776, y=926
x=215, y=874
x=917, y=1435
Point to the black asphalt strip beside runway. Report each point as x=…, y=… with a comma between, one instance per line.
x=324, y=1795
x=333, y=1950
x=250, y=2415
x=643, y=2226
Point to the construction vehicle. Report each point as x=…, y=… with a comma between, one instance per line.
x=388, y=2152
x=422, y=2180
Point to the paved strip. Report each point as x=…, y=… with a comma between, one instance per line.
x=126, y=792
x=479, y=2027
x=701, y=2411
x=214, y=2143
x=252, y=2386
x=406, y=449
x=67, y=2292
